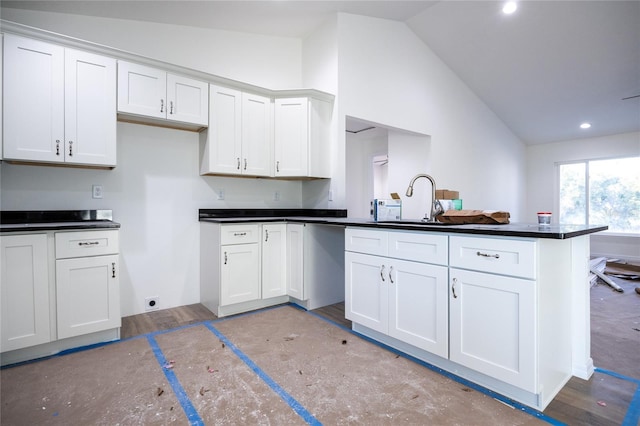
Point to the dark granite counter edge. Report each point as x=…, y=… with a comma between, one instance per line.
x=509, y=230
x=47, y=220
x=269, y=213
x=58, y=226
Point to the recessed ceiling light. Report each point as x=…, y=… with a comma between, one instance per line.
x=585, y=125
x=509, y=7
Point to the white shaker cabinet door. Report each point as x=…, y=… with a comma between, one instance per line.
x=33, y=102
x=257, y=137
x=418, y=305
x=295, y=261
x=24, y=292
x=88, y=295
x=493, y=326
x=187, y=100
x=142, y=90
x=274, y=260
x=291, y=137
x=366, y=292
x=223, y=147
x=240, y=273
x=90, y=109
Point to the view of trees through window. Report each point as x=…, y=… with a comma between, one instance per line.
x=601, y=192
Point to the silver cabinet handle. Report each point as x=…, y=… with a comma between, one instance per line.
x=382, y=273
x=453, y=288
x=161, y=105
x=245, y=164
x=497, y=256
x=390, y=277
x=225, y=257
x=57, y=146
x=239, y=234
x=88, y=243
x=113, y=270
x=171, y=107
x=278, y=166
x=238, y=166
x=266, y=235
x=70, y=148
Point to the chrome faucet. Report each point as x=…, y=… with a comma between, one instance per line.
x=436, y=207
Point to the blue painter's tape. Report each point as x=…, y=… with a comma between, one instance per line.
x=633, y=413
x=618, y=375
x=295, y=405
x=189, y=410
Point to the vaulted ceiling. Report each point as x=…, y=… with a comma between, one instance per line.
x=543, y=70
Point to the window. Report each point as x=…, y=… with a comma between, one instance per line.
x=601, y=192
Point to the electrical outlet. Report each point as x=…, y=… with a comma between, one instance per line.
x=96, y=191
x=220, y=194
x=151, y=303
x=276, y=196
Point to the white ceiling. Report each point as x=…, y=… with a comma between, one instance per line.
x=543, y=70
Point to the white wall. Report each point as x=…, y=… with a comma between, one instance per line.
x=388, y=76
x=543, y=190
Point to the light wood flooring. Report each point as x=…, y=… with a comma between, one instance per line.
x=602, y=400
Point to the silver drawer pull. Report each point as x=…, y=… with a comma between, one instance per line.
x=239, y=234
x=89, y=243
x=497, y=256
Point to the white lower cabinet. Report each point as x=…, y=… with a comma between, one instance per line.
x=504, y=308
x=248, y=266
x=24, y=291
x=274, y=260
x=240, y=273
x=492, y=326
x=241, y=266
x=406, y=300
x=88, y=296
x=87, y=282
x=59, y=290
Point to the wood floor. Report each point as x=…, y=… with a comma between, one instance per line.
x=602, y=400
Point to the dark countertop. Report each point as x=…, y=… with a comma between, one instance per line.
x=48, y=220
x=338, y=217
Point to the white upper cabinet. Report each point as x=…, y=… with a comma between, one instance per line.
x=69, y=94
x=302, y=137
x=142, y=90
x=90, y=109
x=257, y=140
x=188, y=100
x=238, y=141
x=150, y=92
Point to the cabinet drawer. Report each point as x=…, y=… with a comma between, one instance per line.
x=86, y=243
x=494, y=255
x=366, y=241
x=239, y=234
x=419, y=247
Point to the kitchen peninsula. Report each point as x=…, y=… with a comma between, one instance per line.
x=505, y=306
